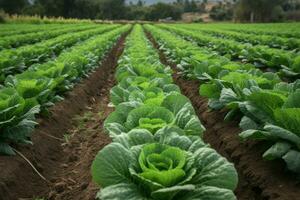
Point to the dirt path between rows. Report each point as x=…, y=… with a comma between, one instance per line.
x=73, y=181
x=65, y=144
x=258, y=179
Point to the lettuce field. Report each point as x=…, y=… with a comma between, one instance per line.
x=150, y=111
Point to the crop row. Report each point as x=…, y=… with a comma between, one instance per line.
x=269, y=108
x=156, y=152
x=18, y=60
x=16, y=29
x=30, y=38
x=288, y=30
x=33, y=91
x=288, y=63
x=254, y=38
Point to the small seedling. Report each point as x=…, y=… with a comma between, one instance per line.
x=67, y=137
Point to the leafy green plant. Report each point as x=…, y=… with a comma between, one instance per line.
x=268, y=107
x=165, y=166
x=175, y=110
x=278, y=121
x=156, y=153
x=13, y=61
x=259, y=55
x=17, y=119
x=142, y=89
x=30, y=93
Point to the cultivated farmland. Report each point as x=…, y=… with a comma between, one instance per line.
x=152, y=111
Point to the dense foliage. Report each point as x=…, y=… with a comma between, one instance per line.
x=157, y=151
x=219, y=10
x=261, y=56
x=268, y=106
x=249, y=72
x=13, y=61
x=34, y=90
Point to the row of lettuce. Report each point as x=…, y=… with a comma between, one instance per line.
x=14, y=61
x=16, y=29
x=269, y=108
x=285, y=30
x=157, y=152
x=287, y=63
x=273, y=41
x=14, y=41
x=27, y=94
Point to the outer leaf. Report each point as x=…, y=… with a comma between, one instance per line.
x=118, y=95
x=209, y=193
x=214, y=170
x=228, y=96
x=111, y=165
x=247, y=123
x=267, y=101
x=271, y=132
x=134, y=137
x=254, y=134
x=292, y=159
x=293, y=100
x=170, y=192
x=280, y=133
x=289, y=119
x=277, y=151
x=188, y=121
x=175, y=102
x=210, y=91
x=121, y=191
x=6, y=149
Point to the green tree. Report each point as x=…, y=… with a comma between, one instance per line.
x=52, y=7
x=111, y=9
x=162, y=11
x=187, y=6
x=194, y=7
x=34, y=9
x=135, y=12
x=140, y=3
x=83, y=9
x=222, y=12
x=13, y=6
x=258, y=10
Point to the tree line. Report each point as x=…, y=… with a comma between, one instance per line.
x=267, y=10
x=239, y=10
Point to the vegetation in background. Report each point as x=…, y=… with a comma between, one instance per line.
x=157, y=151
x=222, y=12
x=2, y=16
x=266, y=10
x=226, y=10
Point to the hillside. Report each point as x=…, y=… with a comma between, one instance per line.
x=149, y=2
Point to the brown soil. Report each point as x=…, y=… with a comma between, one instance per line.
x=73, y=181
x=258, y=179
x=65, y=164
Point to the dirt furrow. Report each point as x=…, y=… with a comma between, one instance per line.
x=258, y=179
x=63, y=150
x=73, y=181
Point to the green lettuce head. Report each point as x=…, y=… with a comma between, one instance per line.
x=162, y=164
x=175, y=110
x=138, y=88
x=167, y=166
